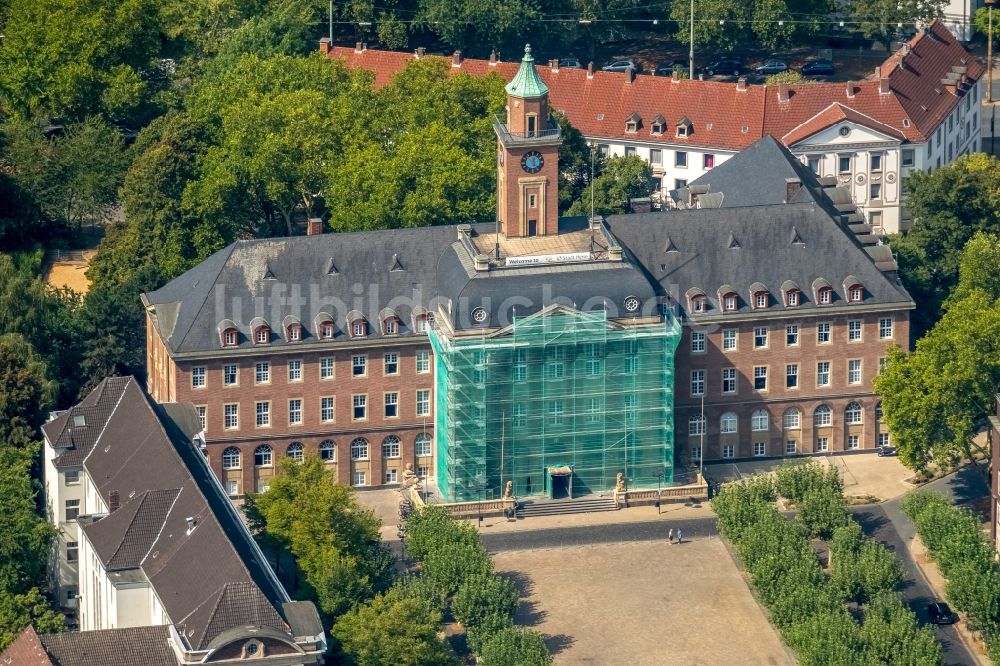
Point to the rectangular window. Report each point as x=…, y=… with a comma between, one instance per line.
x=729, y=339
x=423, y=446
x=728, y=451
x=72, y=509
x=760, y=378
x=390, y=476
x=759, y=448
x=792, y=376
x=875, y=191
x=263, y=411
x=680, y=183
x=326, y=412
x=198, y=377
x=359, y=365
x=593, y=367
x=262, y=372
x=854, y=330
x=531, y=201
x=295, y=411
x=520, y=415
x=391, y=405
x=72, y=551
x=822, y=444
x=790, y=448
x=876, y=161
x=629, y=151
x=882, y=362
x=326, y=367
x=391, y=363
x=884, y=439
x=72, y=477
x=555, y=369
x=885, y=328
x=295, y=371
x=729, y=380
x=655, y=156
x=844, y=163
x=697, y=382
x=232, y=416
x=360, y=479
x=423, y=472
x=823, y=332
x=697, y=342
x=424, y=402
x=594, y=408
x=708, y=160
x=813, y=161
x=630, y=404
x=792, y=335
x=294, y=334
x=360, y=407
x=520, y=372
x=680, y=158
x=854, y=371
x=695, y=454
x=631, y=365
x=423, y=361
x=823, y=373
x=907, y=157
x=853, y=442
x=760, y=337
x=555, y=412
x=230, y=375
x=793, y=298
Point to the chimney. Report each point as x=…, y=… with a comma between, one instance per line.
x=590, y=70
x=741, y=84
x=464, y=230
x=114, y=501
x=359, y=47
x=701, y=76
x=792, y=187
x=456, y=59
x=629, y=75
x=554, y=65
x=314, y=227
x=324, y=46
x=493, y=59
x=675, y=75
x=364, y=46
x=482, y=262
x=418, y=53
x=883, y=86
x=783, y=93
x=850, y=90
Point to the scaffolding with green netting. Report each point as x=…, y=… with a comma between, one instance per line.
x=558, y=403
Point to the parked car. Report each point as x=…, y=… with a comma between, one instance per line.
x=729, y=66
x=667, y=70
x=570, y=62
x=885, y=450
x=818, y=68
x=940, y=613
x=772, y=66
x=620, y=66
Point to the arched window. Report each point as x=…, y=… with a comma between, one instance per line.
x=327, y=451
x=853, y=413
x=422, y=445
x=792, y=419
x=727, y=423
x=696, y=424
x=231, y=458
x=295, y=452
x=262, y=456
x=359, y=449
x=390, y=447
x=823, y=416
x=758, y=420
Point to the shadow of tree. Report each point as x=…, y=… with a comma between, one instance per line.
x=558, y=643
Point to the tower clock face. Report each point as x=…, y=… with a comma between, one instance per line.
x=532, y=162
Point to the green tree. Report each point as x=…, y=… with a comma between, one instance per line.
x=574, y=162
x=821, y=512
x=481, y=597
x=981, y=22
x=17, y=611
x=391, y=629
x=623, y=179
x=75, y=58
x=477, y=27
x=514, y=645
x=893, y=635
x=24, y=536
x=26, y=392
x=789, y=76
x=879, y=19
x=717, y=25
x=793, y=480
x=934, y=398
x=778, y=24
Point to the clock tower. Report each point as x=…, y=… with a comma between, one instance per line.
x=527, y=158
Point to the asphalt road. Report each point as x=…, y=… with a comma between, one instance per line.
x=586, y=535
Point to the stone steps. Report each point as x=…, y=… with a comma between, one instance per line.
x=530, y=508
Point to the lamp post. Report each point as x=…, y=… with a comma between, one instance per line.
x=690, y=46
x=989, y=51
x=659, y=482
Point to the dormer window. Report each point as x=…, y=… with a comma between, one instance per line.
x=633, y=122
x=760, y=300
x=684, y=127
x=390, y=327
x=295, y=333
x=359, y=329
x=262, y=335
x=792, y=298
x=389, y=320
x=682, y=130
x=825, y=295
x=422, y=325
x=729, y=302
x=658, y=125
x=229, y=337
x=856, y=293
x=326, y=331
x=698, y=304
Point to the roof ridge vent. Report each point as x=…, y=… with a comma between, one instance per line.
x=796, y=238
x=331, y=268
x=733, y=243
x=396, y=266
x=670, y=247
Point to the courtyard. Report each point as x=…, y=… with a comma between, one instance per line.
x=642, y=603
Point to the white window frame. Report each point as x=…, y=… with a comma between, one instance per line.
x=697, y=382
x=423, y=361
x=423, y=402
x=295, y=411
x=235, y=374
x=359, y=401
x=822, y=372
x=730, y=339
x=199, y=377
x=326, y=368
x=262, y=372
x=697, y=342
x=327, y=409
x=854, y=371
x=885, y=326
x=295, y=370
x=262, y=413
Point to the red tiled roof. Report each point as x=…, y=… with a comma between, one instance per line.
x=722, y=116
x=26, y=650
x=832, y=115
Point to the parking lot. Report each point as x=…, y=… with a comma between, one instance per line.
x=642, y=603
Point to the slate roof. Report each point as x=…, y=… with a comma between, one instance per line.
x=132, y=646
x=721, y=116
x=163, y=480
x=72, y=442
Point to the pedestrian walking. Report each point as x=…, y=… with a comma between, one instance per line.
x=670, y=535
x=680, y=535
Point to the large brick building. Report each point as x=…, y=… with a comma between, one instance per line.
x=553, y=340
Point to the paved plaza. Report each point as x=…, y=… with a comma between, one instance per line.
x=642, y=603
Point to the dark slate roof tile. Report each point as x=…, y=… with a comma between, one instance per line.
x=132, y=646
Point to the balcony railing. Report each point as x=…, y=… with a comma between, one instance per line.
x=552, y=131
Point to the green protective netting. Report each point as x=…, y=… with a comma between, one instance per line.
x=558, y=388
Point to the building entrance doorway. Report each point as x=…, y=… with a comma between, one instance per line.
x=560, y=482
x=532, y=227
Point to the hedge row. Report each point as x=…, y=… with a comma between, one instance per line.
x=806, y=605
x=954, y=538
x=457, y=575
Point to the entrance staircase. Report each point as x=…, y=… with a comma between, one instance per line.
x=561, y=507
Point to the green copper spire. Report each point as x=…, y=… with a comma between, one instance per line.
x=526, y=83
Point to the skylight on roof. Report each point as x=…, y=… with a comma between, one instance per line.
x=79, y=421
x=600, y=116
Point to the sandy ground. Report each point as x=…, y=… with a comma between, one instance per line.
x=70, y=271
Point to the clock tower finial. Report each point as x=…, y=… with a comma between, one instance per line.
x=528, y=157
